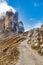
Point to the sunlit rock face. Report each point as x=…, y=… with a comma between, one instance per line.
x=9, y=19
x=6, y=21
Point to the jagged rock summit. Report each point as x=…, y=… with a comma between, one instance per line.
x=10, y=22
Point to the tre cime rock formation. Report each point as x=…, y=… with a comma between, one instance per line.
x=10, y=22
x=18, y=47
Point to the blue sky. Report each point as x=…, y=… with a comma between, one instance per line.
x=30, y=12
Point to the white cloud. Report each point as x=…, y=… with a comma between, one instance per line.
x=28, y=27
x=31, y=19
x=36, y=25
x=5, y=7
x=36, y=4
x=2, y=0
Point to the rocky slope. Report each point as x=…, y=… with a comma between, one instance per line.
x=19, y=49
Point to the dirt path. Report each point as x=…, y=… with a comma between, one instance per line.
x=26, y=57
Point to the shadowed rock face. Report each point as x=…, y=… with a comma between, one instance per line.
x=2, y=28
x=20, y=27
